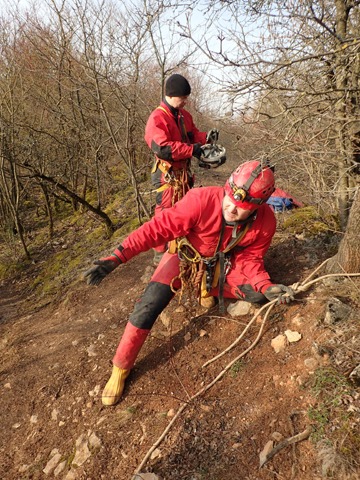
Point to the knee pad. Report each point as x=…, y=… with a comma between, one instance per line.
x=152, y=302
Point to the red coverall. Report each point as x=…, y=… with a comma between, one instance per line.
x=198, y=216
x=171, y=133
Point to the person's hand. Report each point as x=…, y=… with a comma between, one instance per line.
x=212, y=135
x=197, y=151
x=96, y=275
x=281, y=293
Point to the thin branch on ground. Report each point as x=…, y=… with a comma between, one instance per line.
x=285, y=443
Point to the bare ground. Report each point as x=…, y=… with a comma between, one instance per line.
x=55, y=362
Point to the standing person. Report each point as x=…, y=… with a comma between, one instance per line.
x=223, y=231
x=173, y=137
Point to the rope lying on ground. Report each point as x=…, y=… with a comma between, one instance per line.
x=297, y=288
x=305, y=285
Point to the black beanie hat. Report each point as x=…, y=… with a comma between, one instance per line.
x=177, y=86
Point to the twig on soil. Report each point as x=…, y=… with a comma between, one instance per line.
x=285, y=443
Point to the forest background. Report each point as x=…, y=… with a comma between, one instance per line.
x=78, y=80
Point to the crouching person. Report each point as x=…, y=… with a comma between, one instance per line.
x=225, y=231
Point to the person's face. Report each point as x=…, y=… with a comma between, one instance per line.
x=177, y=102
x=232, y=213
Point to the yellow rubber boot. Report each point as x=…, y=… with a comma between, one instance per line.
x=115, y=386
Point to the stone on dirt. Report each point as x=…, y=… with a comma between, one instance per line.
x=292, y=336
x=266, y=450
x=336, y=311
x=239, y=308
x=278, y=343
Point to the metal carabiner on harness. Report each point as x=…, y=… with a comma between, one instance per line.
x=210, y=265
x=227, y=264
x=187, y=252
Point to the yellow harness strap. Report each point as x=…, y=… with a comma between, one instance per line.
x=190, y=256
x=204, y=292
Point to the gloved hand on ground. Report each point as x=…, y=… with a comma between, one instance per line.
x=278, y=292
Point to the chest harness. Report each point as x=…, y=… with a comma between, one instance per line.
x=177, y=179
x=200, y=274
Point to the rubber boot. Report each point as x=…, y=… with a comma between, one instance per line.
x=130, y=344
x=115, y=386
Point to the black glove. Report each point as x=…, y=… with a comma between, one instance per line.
x=212, y=135
x=197, y=150
x=278, y=292
x=204, y=164
x=95, y=275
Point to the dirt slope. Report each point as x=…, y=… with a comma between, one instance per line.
x=56, y=361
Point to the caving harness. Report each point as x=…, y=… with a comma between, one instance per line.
x=202, y=274
x=213, y=156
x=178, y=179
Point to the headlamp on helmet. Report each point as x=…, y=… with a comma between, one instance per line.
x=250, y=185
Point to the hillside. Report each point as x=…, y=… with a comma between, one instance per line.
x=57, y=358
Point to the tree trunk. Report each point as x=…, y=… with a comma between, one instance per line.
x=74, y=197
x=347, y=258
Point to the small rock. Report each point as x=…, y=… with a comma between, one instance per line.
x=60, y=468
x=71, y=475
x=202, y=333
x=91, y=351
x=311, y=363
x=205, y=408
x=165, y=319
x=239, y=308
x=54, y=414
x=277, y=436
x=336, y=311
x=155, y=454
x=266, y=450
x=82, y=451
x=94, y=441
x=33, y=419
x=170, y=413
x=23, y=468
x=355, y=375
x=187, y=336
x=292, y=336
x=180, y=309
x=298, y=320
x=7, y=385
x=278, y=343
x=52, y=464
x=95, y=392
x=16, y=425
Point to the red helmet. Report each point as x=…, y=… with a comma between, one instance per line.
x=250, y=185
